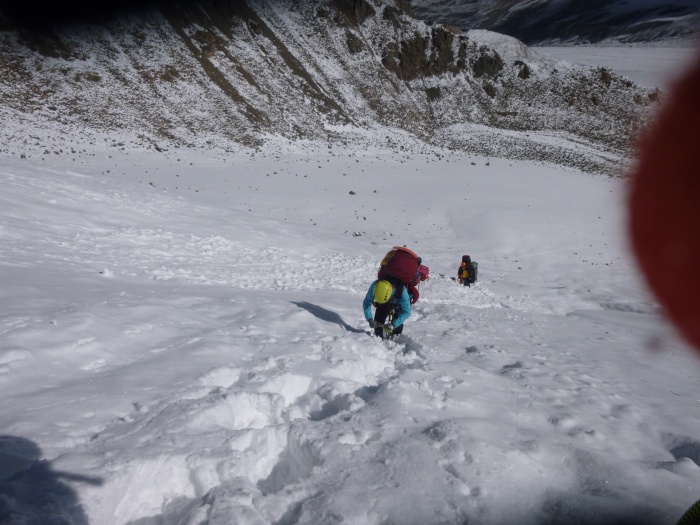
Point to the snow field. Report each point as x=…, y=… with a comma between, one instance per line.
x=184, y=336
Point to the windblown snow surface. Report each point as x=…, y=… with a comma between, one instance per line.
x=183, y=343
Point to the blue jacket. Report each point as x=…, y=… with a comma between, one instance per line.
x=403, y=302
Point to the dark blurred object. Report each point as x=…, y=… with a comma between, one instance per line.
x=664, y=206
x=47, y=14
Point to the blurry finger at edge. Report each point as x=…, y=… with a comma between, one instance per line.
x=664, y=205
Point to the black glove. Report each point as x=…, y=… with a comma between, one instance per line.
x=372, y=323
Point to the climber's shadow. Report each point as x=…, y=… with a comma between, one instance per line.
x=327, y=315
x=31, y=491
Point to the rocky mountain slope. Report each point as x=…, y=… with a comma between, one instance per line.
x=231, y=74
x=569, y=21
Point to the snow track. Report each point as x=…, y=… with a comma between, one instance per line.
x=259, y=429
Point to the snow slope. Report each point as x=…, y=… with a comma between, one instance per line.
x=183, y=343
x=649, y=66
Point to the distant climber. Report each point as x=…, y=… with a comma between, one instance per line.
x=467, y=271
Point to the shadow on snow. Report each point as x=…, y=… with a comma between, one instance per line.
x=327, y=315
x=31, y=491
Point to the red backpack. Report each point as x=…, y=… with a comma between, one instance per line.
x=402, y=264
x=401, y=267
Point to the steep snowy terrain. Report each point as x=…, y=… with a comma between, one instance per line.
x=220, y=74
x=183, y=343
x=545, y=22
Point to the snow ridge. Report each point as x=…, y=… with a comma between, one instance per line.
x=547, y=22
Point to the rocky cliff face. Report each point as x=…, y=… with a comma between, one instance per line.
x=230, y=74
